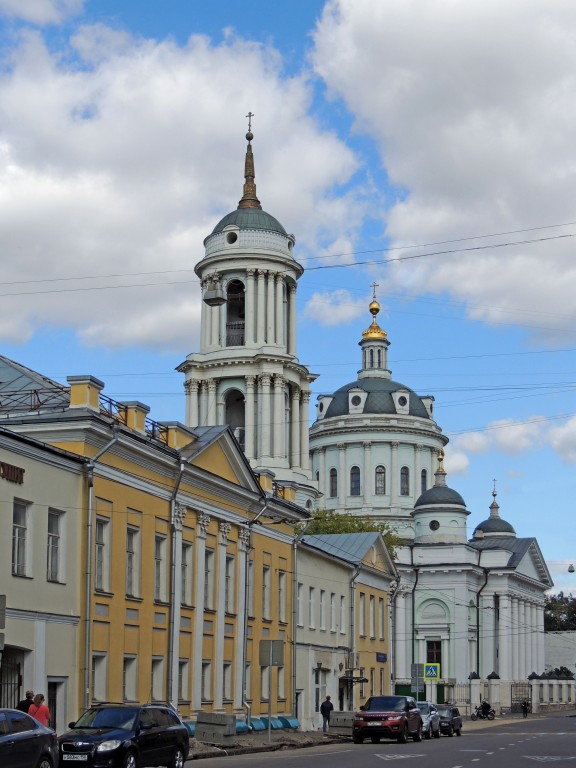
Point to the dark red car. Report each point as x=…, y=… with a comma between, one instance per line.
x=391, y=717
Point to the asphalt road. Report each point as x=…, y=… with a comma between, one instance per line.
x=514, y=743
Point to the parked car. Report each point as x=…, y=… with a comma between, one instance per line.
x=450, y=720
x=26, y=743
x=125, y=736
x=391, y=717
x=430, y=719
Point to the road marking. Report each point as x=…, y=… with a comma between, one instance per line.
x=547, y=758
x=397, y=757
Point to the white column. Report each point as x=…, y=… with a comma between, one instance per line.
x=529, y=630
x=418, y=470
x=279, y=310
x=215, y=326
x=249, y=418
x=270, y=314
x=200, y=578
x=524, y=632
x=203, y=403
x=278, y=419
x=537, y=630
x=261, y=314
x=295, y=427
x=239, y=644
x=394, y=479
x=204, y=320
x=265, y=411
x=342, y=479
x=292, y=319
x=401, y=641
x=304, y=426
x=218, y=662
x=516, y=624
x=192, y=403
x=250, y=306
x=540, y=624
x=322, y=470
x=486, y=639
x=367, y=474
x=504, y=639
x=211, y=413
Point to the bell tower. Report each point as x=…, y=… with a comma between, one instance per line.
x=247, y=373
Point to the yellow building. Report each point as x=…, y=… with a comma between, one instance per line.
x=186, y=559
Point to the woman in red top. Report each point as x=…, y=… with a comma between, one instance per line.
x=39, y=710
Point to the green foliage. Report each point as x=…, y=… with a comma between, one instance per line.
x=561, y=672
x=327, y=521
x=560, y=613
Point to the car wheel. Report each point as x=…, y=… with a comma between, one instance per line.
x=357, y=739
x=450, y=731
x=129, y=760
x=178, y=759
x=459, y=732
x=44, y=762
x=375, y=739
x=417, y=735
x=437, y=733
x=403, y=736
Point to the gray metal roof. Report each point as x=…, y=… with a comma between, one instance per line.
x=439, y=494
x=250, y=218
x=495, y=525
x=351, y=547
x=379, y=398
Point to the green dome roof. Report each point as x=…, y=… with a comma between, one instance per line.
x=250, y=218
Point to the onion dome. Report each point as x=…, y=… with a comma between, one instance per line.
x=440, y=494
x=440, y=513
x=374, y=331
x=494, y=525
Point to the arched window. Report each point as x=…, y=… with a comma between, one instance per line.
x=234, y=415
x=379, y=358
x=371, y=358
x=317, y=475
x=355, y=481
x=424, y=480
x=333, y=483
x=404, y=481
x=235, y=314
x=380, y=480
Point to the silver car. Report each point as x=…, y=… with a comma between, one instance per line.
x=430, y=719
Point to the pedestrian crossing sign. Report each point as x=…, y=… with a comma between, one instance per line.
x=431, y=671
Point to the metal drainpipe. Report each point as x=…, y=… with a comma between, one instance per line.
x=353, y=624
x=297, y=540
x=414, y=605
x=173, y=576
x=392, y=635
x=486, y=574
x=89, y=558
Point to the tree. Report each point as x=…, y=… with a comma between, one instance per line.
x=560, y=613
x=328, y=521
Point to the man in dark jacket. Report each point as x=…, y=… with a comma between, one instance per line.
x=325, y=708
x=24, y=705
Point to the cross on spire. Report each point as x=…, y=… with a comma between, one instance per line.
x=250, y=115
x=374, y=286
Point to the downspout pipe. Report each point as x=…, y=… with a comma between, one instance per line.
x=174, y=608
x=417, y=571
x=297, y=539
x=392, y=634
x=90, y=464
x=355, y=575
x=486, y=575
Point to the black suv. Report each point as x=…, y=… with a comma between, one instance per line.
x=125, y=736
x=394, y=717
x=450, y=720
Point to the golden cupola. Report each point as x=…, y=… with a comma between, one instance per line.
x=374, y=344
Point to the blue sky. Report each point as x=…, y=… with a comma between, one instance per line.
x=424, y=146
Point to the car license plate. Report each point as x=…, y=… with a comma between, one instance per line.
x=374, y=723
x=80, y=758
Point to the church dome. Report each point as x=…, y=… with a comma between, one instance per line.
x=379, y=400
x=250, y=218
x=439, y=494
x=494, y=525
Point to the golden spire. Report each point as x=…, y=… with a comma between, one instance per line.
x=374, y=331
x=249, y=199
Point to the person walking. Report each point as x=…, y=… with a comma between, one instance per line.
x=38, y=710
x=26, y=703
x=325, y=709
x=525, y=708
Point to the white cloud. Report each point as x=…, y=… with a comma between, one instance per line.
x=563, y=440
x=41, y=11
x=473, y=108
x=334, y=307
x=121, y=154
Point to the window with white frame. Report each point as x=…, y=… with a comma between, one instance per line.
x=332, y=612
x=281, y=683
x=282, y=596
x=355, y=481
x=333, y=483
x=265, y=683
x=183, y=676
x=186, y=574
x=19, y=538
x=266, y=592
x=381, y=618
x=158, y=678
x=248, y=682
x=322, y=609
x=160, y=565
x=250, y=588
x=312, y=608
x=342, y=615
x=380, y=480
x=206, y=680
x=230, y=586
x=404, y=481
x=99, y=677
x=227, y=681
x=300, y=603
x=102, y=554
x=362, y=614
x=130, y=679
x=132, y=561
x=209, y=559
x=54, y=546
x=372, y=617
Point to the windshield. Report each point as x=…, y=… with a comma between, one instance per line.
x=445, y=711
x=108, y=717
x=423, y=707
x=380, y=703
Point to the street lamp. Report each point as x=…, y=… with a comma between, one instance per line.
x=570, y=568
